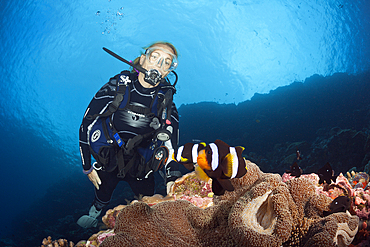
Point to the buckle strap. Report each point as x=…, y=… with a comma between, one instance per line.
x=115, y=103
x=118, y=98
x=122, y=167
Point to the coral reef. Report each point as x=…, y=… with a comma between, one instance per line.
x=141, y=225
x=337, y=229
x=358, y=180
x=354, y=186
x=189, y=185
x=262, y=217
x=109, y=219
x=48, y=242
x=188, y=188
x=265, y=209
x=191, y=189
x=96, y=239
x=262, y=211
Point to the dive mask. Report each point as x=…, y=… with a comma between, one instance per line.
x=161, y=58
x=152, y=76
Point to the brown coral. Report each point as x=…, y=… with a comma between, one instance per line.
x=246, y=182
x=262, y=217
x=188, y=188
x=299, y=231
x=316, y=205
x=57, y=243
x=178, y=222
x=337, y=229
x=109, y=219
x=301, y=190
x=262, y=211
x=311, y=229
x=172, y=223
x=164, y=224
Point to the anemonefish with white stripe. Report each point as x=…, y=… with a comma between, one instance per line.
x=221, y=162
x=187, y=154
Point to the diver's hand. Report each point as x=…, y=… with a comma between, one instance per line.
x=94, y=178
x=169, y=186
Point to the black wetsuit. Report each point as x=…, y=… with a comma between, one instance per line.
x=128, y=124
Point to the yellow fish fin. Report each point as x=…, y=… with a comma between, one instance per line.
x=227, y=165
x=203, y=144
x=241, y=148
x=201, y=174
x=184, y=160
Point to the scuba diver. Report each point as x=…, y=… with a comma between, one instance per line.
x=131, y=129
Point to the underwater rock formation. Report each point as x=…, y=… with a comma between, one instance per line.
x=342, y=148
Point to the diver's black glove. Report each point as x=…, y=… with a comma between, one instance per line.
x=172, y=171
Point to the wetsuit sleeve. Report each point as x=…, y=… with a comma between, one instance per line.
x=97, y=105
x=172, y=167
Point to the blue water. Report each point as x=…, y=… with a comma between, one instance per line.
x=52, y=63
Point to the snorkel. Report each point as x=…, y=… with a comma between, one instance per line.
x=152, y=76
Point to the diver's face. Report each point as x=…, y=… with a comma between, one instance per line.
x=159, y=57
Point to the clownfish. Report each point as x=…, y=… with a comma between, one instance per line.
x=221, y=162
x=188, y=154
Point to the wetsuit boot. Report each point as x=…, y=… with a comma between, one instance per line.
x=87, y=221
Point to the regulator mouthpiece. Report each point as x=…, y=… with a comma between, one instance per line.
x=152, y=77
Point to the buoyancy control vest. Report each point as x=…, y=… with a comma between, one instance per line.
x=111, y=148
